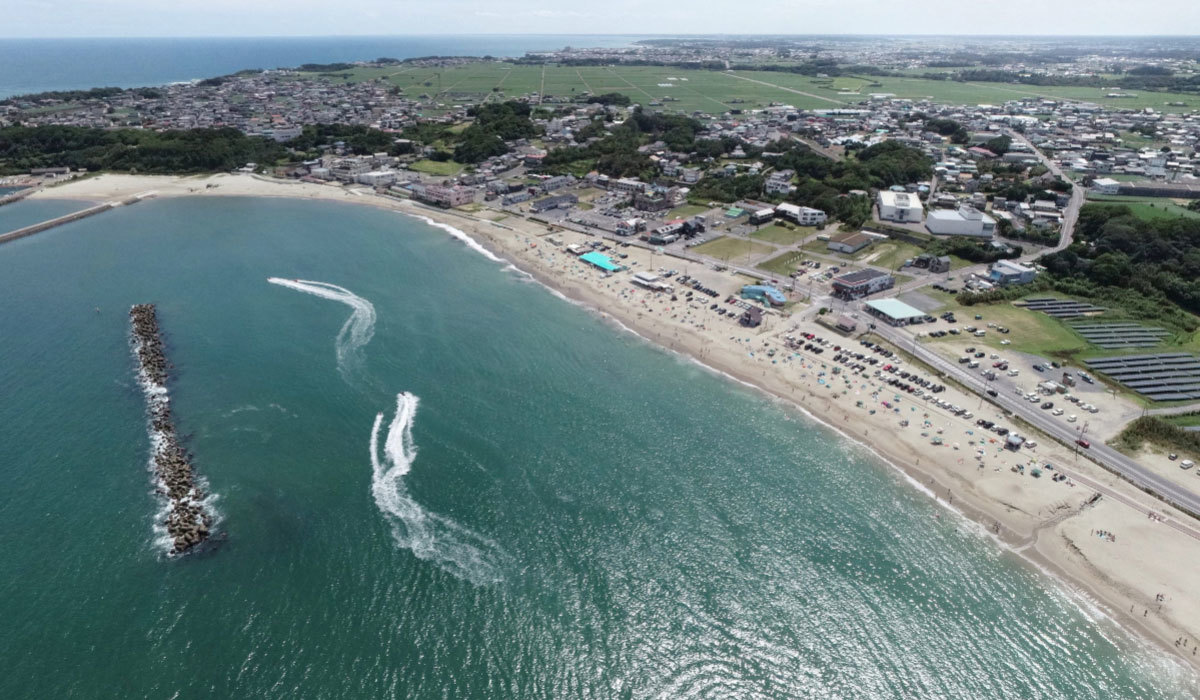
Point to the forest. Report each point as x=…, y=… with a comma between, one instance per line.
x=132, y=150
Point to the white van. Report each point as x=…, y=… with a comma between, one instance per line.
x=1187, y=464
x=980, y=334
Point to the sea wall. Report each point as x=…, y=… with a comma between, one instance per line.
x=187, y=518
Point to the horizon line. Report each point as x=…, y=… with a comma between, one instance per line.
x=611, y=34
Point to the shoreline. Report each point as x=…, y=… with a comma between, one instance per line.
x=1052, y=534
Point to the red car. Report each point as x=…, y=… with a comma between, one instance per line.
x=1083, y=443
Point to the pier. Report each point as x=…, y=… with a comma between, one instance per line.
x=17, y=196
x=68, y=218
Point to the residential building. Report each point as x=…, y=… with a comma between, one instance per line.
x=443, y=196
x=805, y=216
x=650, y=201
x=780, y=182
x=761, y=216
x=629, y=227
x=626, y=184
x=558, y=201
x=378, y=178
x=1106, y=185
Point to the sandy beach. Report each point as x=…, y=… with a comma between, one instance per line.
x=1125, y=550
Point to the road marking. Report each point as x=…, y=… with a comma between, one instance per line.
x=786, y=89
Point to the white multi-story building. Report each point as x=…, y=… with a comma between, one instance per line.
x=900, y=207
x=964, y=221
x=805, y=216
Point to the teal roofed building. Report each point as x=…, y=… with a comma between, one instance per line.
x=762, y=292
x=600, y=260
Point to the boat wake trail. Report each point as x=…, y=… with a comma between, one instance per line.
x=429, y=536
x=356, y=331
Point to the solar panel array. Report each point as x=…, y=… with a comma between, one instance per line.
x=1168, y=376
x=1115, y=336
x=1060, y=308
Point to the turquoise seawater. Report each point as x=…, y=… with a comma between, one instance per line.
x=26, y=212
x=571, y=513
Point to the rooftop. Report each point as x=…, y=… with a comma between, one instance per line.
x=894, y=308
x=600, y=260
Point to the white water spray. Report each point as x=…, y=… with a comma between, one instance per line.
x=429, y=536
x=356, y=332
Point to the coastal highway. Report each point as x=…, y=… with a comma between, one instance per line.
x=1135, y=473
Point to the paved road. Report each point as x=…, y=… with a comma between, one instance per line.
x=1071, y=213
x=1140, y=476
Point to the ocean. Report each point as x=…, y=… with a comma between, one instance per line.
x=438, y=479
x=39, y=65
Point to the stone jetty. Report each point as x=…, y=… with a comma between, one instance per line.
x=188, y=520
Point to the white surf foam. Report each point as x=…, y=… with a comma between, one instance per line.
x=429, y=536
x=356, y=332
x=462, y=236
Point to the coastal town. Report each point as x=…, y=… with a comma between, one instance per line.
x=893, y=265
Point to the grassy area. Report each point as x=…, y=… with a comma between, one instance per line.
x=1134, y=139
x=1040, y=334
x=433, y=167
x=890, y=254
x=776, y=233
x=713, y=92
x=686, y=211
x=732, y=249
x=783, y=264
x=1029, y=331
x=1148, y=207
x=954, y=92
x=821, y=247
x=1186, y=420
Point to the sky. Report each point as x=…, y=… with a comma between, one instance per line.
x=168, y=18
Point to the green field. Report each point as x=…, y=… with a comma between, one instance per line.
x=713, y=92
x=433, y=167
x=783, y=264
x=1147, y=207
x=735, y=250
x=776, y=233
x=1040, y=334
x=952, y=92
x=687, y=210
x=889, y=254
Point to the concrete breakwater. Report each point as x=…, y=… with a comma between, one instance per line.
x=17, y=196
x=68, y=218
x=187, y=518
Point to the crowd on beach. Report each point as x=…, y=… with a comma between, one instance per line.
x=188, y=520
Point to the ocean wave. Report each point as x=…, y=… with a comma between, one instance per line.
x=462, y=236
x=431, y=537
x=356, y=332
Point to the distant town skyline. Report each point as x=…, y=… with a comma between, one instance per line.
x=226, y=18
